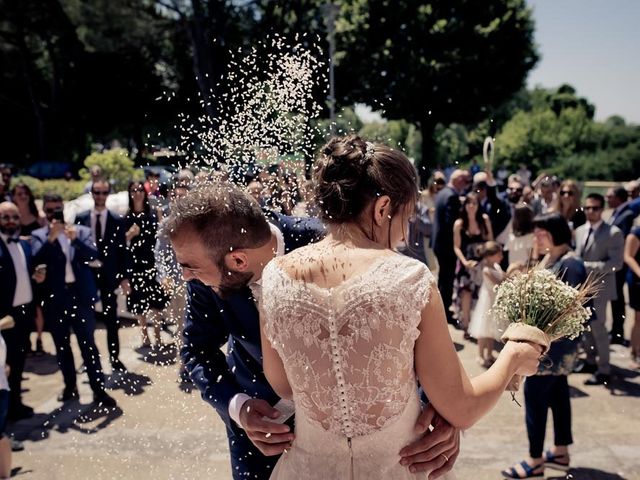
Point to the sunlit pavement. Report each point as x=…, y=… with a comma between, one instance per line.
x=160, y=431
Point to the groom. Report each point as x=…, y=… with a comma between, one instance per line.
x=223, y=240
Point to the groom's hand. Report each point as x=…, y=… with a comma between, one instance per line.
x=437, y=450
x=268, y=437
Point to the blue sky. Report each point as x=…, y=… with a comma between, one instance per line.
x=593, y=45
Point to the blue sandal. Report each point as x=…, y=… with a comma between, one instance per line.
x=556, y=461
x=528, y=470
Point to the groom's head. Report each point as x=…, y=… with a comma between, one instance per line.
x=214, y=230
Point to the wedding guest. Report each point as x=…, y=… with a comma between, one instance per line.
x=622, y=217
x=633, y=189
x=632, y=259
x=545, y=197
x=5, y=442
x=256, y=190
x=307, y=206
x=510, y=197
x=470, y=231
x=68, y=297
x=30, y=218
x=427, y=204
x=600, y=246
x=482, y=326
x=107, y=233
x=549, y=389
x=169, y=272
x=223, y=267
x=6, y=173
x=447, y=210
x=16, y=300
x=525, y=174
x=491, y=203
x=520, y=242
x=145, y=297
x=568, y=204
x=95, y=172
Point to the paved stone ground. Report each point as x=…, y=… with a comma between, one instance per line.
x=162, y=432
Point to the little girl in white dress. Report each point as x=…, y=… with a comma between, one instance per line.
x=482, y=326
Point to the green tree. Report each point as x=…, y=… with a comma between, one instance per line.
x=116, y=166
x=437, y=62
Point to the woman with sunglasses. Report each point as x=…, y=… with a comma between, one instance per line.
x=569, y=204
x=145, y=297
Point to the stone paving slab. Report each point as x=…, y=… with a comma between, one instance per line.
x=161, y=432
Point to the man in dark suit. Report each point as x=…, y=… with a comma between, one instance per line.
x=622, y=217
x=447, y=212
x=69, y=293
x=601, y=247
x=222, y=241
x=16, y=300
x=498, y=210
x=107, y=233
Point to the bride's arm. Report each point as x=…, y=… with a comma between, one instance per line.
x=272, y=365
x=460, y=400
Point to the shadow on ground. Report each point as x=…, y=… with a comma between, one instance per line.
x=130, y=383
x=72, y=416
x=163, y=356
x=42, y=364
x=587, y=474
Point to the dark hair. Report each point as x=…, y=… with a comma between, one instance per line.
x=101, y=180
x=556, y=225
x=223, y=216
x=490, y=248
x=598, y=197
x=621, y=193
x=146, y=207
x=522, y=220
x=51, y=197
x=33, y=210
x=351, y=172
x=479, y=219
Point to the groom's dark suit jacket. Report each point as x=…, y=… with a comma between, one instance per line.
x=211, y=322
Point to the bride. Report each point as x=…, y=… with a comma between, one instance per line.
x=349, y=328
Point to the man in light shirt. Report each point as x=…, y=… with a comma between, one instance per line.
x=16, y=300
x=69, y=294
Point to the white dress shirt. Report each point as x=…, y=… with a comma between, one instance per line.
x=23, y=293
x=238, y=400
x=65, y=244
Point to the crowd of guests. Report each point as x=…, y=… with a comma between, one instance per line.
x=471, y=229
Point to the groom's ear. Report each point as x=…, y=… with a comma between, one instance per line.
x=237, y=261
x=382, y=210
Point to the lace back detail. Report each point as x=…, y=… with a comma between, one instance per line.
x=348, y=350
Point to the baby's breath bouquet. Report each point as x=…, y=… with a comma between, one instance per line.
x=537, y=306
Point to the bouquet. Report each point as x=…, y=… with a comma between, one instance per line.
x=537, y=306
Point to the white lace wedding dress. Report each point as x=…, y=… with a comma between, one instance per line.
x=348, y=353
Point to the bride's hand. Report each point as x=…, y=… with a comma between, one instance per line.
x=526, y=357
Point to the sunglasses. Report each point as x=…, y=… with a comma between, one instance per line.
x=7, y=218
x=439, y=181
x=52, y=210
x=519, y=190
x=566, y=193
x=100, y=192
x=589, y=209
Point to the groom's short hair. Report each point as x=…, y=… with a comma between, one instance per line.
x=224, y=217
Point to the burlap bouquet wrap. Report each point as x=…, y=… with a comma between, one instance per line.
x=521, y=332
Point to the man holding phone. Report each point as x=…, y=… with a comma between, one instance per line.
x=69, y=293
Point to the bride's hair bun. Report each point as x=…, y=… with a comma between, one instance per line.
x=351, y=172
